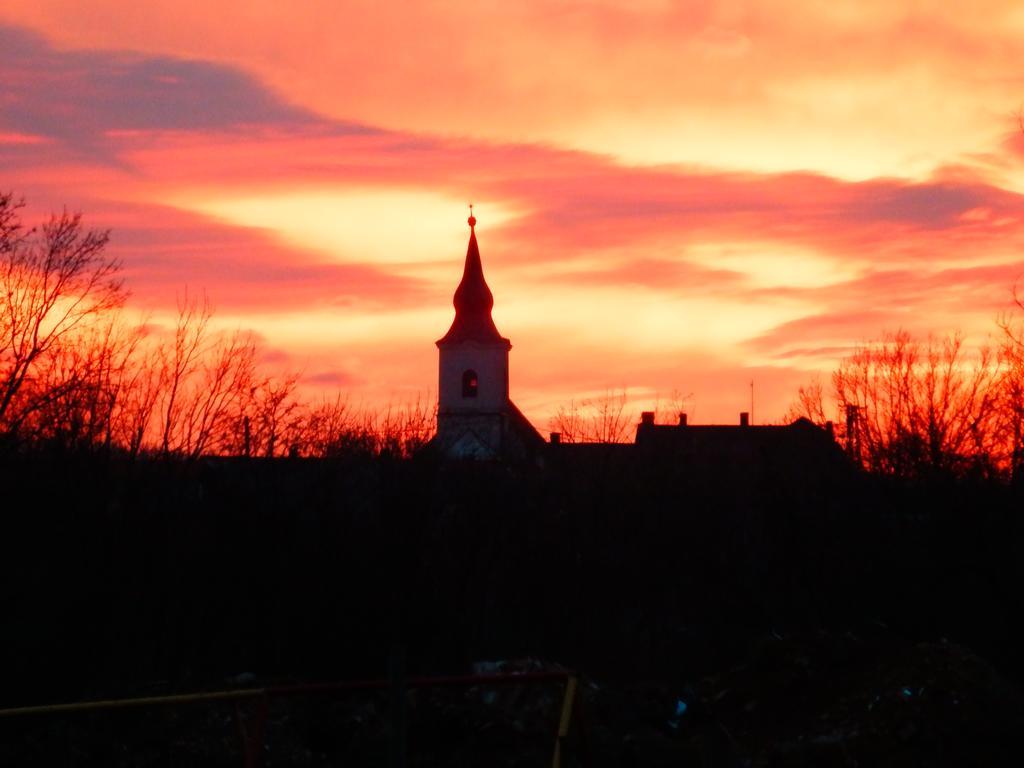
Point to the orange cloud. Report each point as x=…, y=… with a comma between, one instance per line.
x=851, y=89
x=323, y=205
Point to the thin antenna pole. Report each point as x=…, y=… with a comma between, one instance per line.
x=751, y=401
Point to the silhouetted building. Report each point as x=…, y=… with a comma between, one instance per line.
x=476, y=419
x=738, y=455
x=475, y=416
x=739, y=444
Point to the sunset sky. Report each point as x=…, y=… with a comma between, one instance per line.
x=672, y=196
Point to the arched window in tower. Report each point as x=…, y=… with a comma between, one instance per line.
x=470, y=384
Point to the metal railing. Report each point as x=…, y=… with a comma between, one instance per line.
x=252, y=725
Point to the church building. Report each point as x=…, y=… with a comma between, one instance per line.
x=476, y=419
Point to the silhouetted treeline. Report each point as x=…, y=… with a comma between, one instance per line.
x=76, y=373
x=914, y=409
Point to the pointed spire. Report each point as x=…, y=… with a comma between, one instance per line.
x=473, y=300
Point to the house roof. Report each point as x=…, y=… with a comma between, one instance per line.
x=527, y=432
x=801, y=453
x=737, y=441
x=473, y=302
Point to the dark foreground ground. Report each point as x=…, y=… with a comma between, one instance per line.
x=787, y=614
x=820, y=700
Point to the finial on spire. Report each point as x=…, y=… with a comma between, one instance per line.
x=472, y=218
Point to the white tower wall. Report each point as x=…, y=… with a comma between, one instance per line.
x=489, y=362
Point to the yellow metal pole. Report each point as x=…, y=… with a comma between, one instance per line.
x=564, y=722
x=85, y=706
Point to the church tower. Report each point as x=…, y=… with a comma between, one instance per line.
x=475, y=417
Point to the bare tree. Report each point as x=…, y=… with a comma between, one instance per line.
x=1011, y=406
x=54, y=282
x=10, y=222
x=810, y=404
x=569, y=422
x=335, y=428
x=601, y=419
x=179, y=360
x=404, y=429
x=215, y=405
x=138, y=401
x=270, y=420
x=908, y=408
x=79, y=388
x=206, y=380
x=920, y=407
x=73, y=373
x=670, y=409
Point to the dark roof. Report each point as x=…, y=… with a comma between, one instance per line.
x=473, y=302
x=736, y=441
x=722, y=456
x=527, y=432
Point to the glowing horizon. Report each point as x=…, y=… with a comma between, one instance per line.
x=671, y=198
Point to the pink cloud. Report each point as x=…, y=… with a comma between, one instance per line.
x=82, y=97
x=165, y=250
x=118, y=132
x=331, y=379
